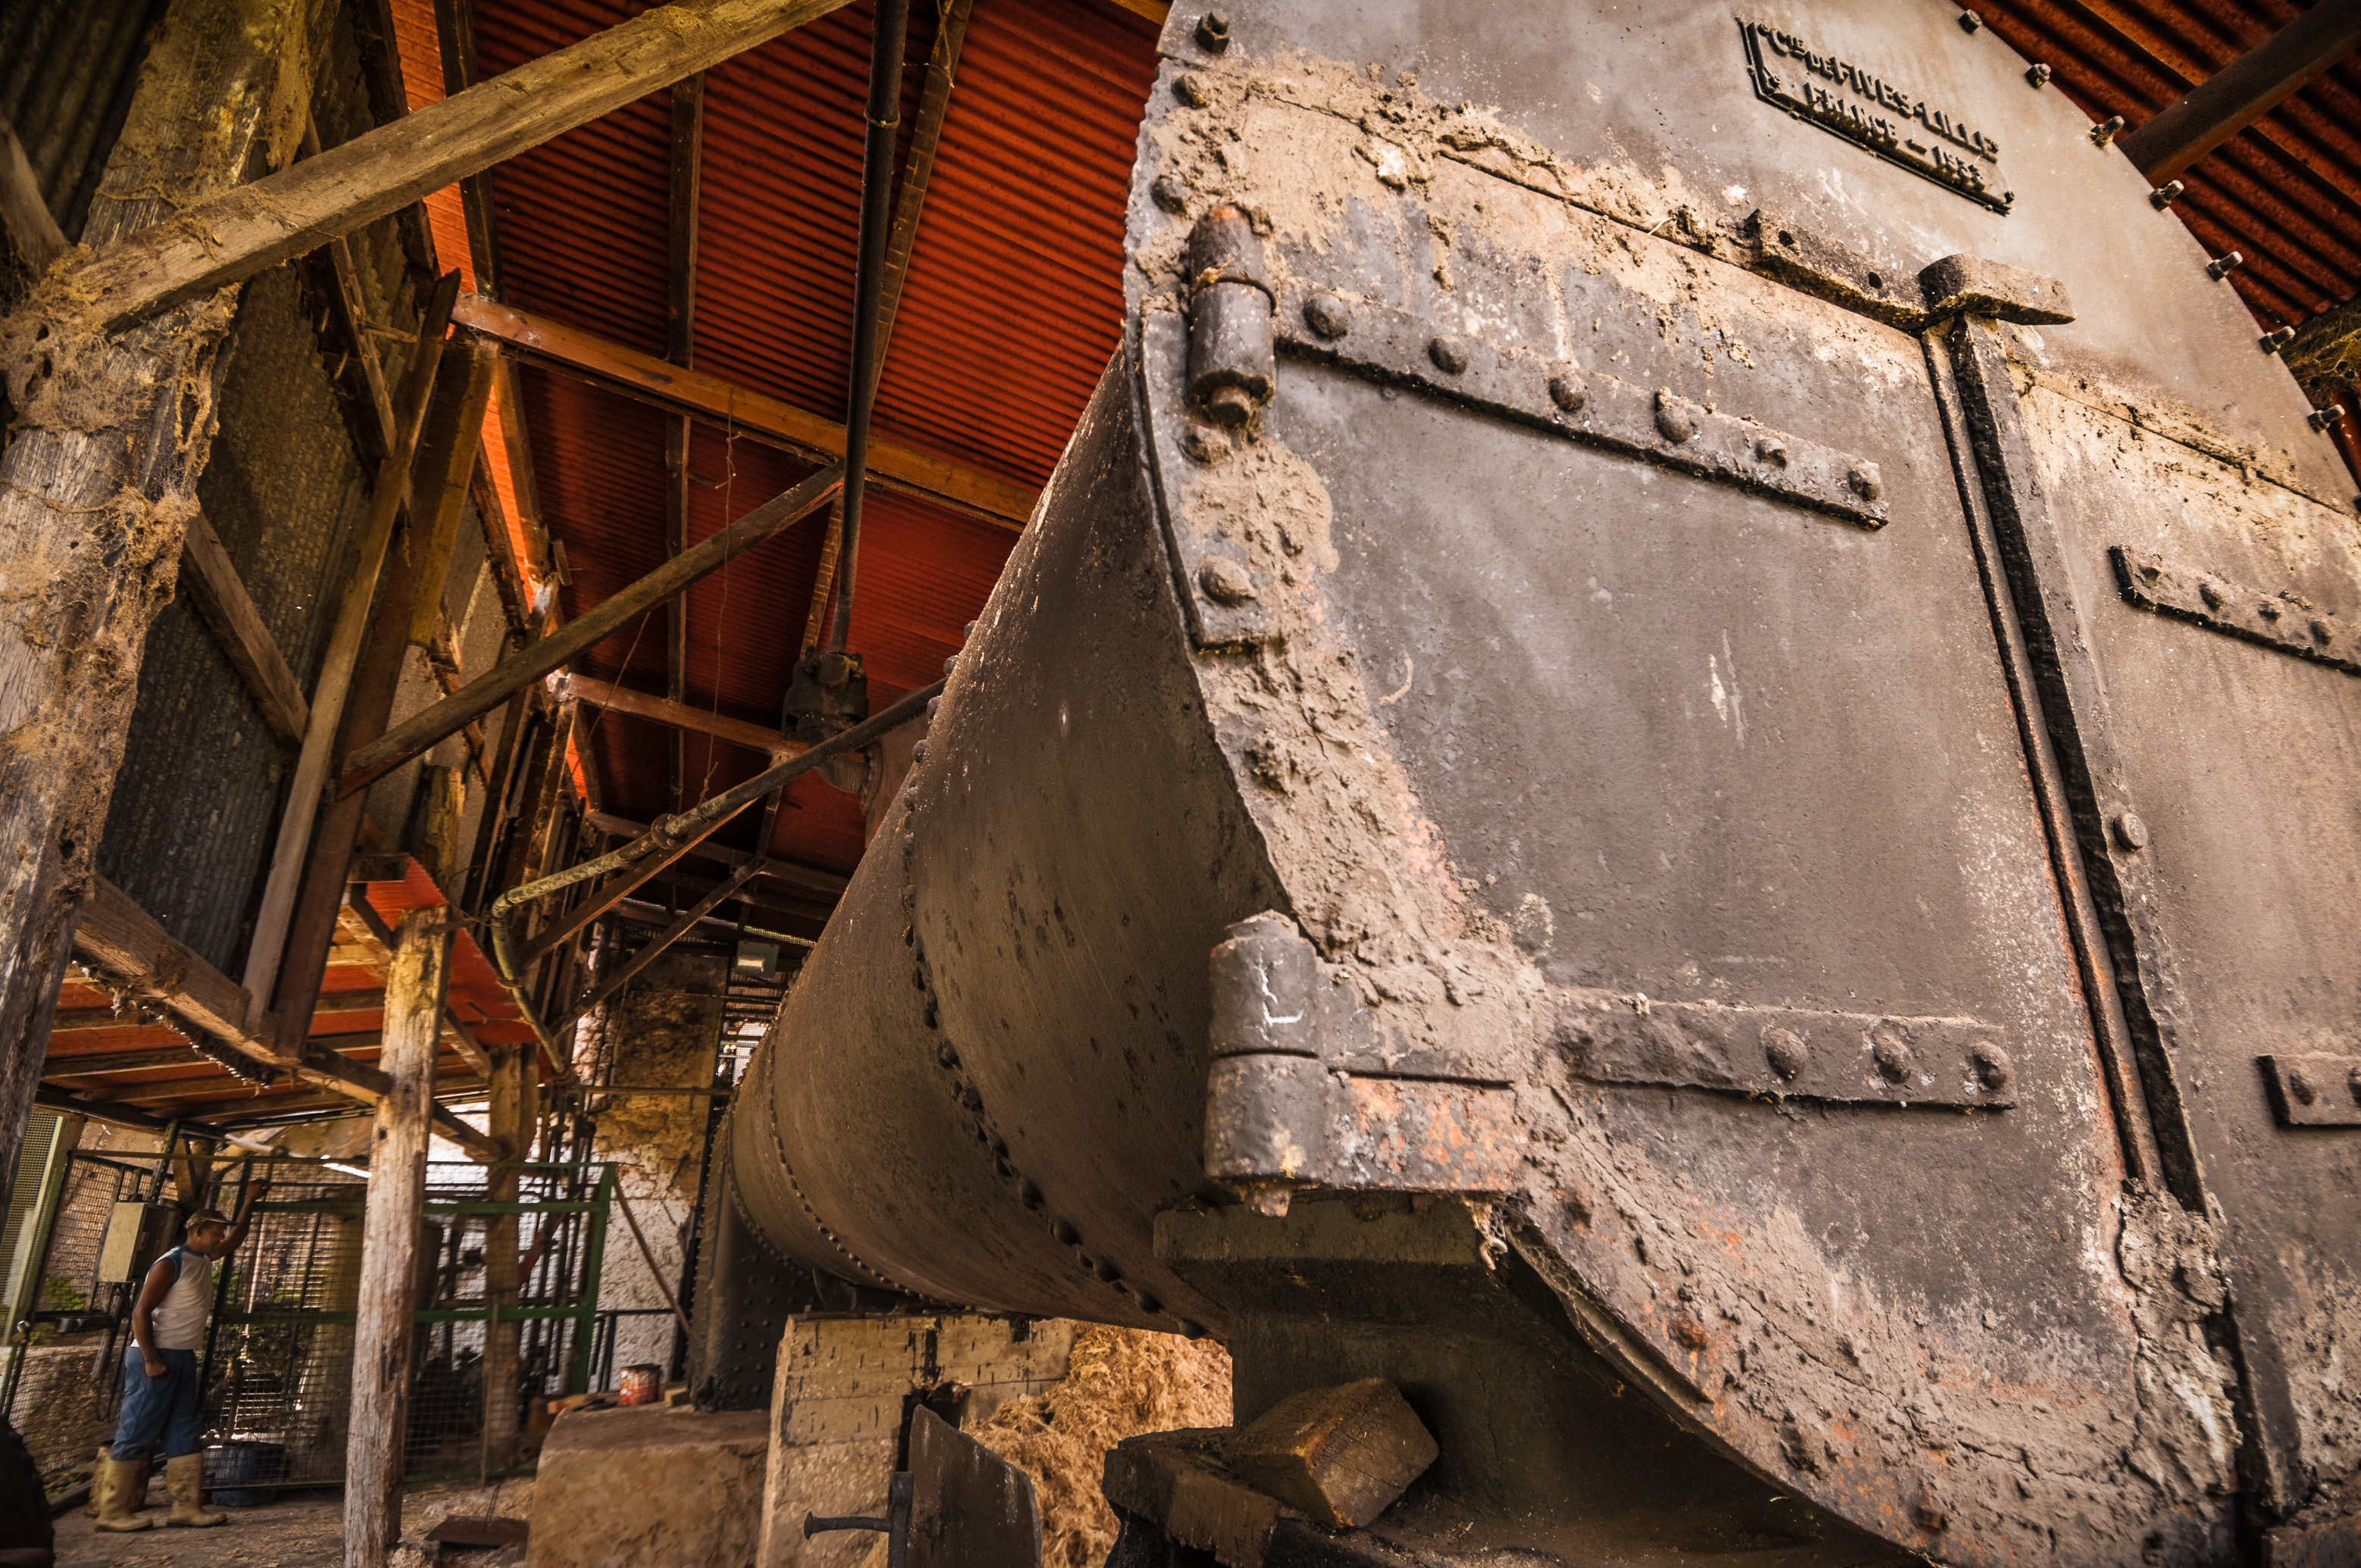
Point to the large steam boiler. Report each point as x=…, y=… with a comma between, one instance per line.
x=1675, y=761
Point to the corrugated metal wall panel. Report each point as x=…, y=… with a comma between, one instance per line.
x=197, y=800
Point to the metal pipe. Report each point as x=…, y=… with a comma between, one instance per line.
x=885, y=50
x=678, y=831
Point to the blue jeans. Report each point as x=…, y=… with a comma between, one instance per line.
x=159, y=1407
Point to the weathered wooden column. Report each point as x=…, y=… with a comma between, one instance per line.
x=382, y=1331
x=98, y=483
x=514, y=1113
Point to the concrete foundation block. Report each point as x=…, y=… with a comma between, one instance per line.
x=651, y=1487
x=837, y=1407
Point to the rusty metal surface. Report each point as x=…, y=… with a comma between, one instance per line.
x=1824, y=966
x=968, y=1508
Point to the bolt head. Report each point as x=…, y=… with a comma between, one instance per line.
x=1327, y=316
x=1675, y=421
x=2131, y=833
x=2301, y=1088
x=2038, y=76
x=2165, y=195
x=1891, y=1052
x=1225, y=581
x=1214, y=32
x=1191, y=89
x=1994, y=1069
x=1449, y=354
x=1786, y=1052
x=1169, y=192
x=1772, y=450
x=1970, y=22
x=1569, y=391
x=1865, y=481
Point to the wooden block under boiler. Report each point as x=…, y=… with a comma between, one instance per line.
x=1341, y=1455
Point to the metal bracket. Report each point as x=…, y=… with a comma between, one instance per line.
x=1392, y=346
x=2275, y=620
x=1846, y=1059
x=1307, y=1091
x=2314, y=1091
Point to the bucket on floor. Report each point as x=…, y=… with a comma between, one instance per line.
x=643, y=1384
x=234, y=1471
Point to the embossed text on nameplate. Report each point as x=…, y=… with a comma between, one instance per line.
x=1840, y=96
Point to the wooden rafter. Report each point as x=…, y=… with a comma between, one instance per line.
x=255, y=226
x=953, y=486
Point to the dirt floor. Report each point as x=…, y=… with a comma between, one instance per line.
x=303, y=1529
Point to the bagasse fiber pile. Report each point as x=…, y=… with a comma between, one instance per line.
x=1119, y=1384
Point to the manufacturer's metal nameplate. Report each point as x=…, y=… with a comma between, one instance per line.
x=1845, y=99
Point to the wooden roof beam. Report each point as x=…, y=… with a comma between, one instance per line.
x=680, y=716
x=937, y=480
x=256, y=227
x=2243, y=91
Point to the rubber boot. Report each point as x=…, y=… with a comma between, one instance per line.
x=184, y=1478
x=111, y=1489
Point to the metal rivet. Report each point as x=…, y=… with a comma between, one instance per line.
x=1674, y=421
x=2222, y=266
x=2164, y=196
x=1206, y=443
x=1786, y=1052
x=2270, y=609
x=1190, y=88
x=1865, y=482
x=1190, y=1330
x=1106, y=1270
x=2272, y=342
x=1225, y=581
x=1569, y=391
x=947, y=1053
x=2299, y=1087
x=1212, y=32
x=1927, y=1508
x=2353, y=1084
x=1772, y=450
x=1970, y=22
x=1325, y=314
x=1449, y=354
x=934, y=706
x=2322, y=634
x=2038, y=76
x=1890, y=1051
x=1028, y=1194
x=2106, y=130
x=1169, y=194
x=951, y=664
x=1065, y=1234
x=1148, y=1303
x=1994, y=1069
x=2131, y=833
x=918, y=752
x=2212, y=594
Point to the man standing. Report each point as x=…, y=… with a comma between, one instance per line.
x=159, y=1375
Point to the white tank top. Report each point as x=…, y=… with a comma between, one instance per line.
x=178, y=1320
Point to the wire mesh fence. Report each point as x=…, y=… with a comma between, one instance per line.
x=505, y=1297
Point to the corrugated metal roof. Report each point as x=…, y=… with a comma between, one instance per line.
x=1012, y=305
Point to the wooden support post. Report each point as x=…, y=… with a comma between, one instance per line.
x=96, y=483
x=421, y=730
x=513, y=1113
x=294, y=848
x=396, y=1203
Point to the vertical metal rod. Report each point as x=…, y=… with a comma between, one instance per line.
x=885, y=50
